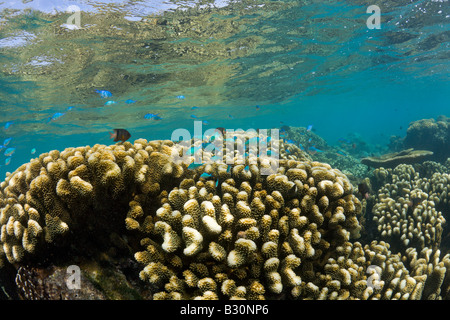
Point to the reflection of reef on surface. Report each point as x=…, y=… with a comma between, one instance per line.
x=166, y=231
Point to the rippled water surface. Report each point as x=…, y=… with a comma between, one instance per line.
x=301, y=62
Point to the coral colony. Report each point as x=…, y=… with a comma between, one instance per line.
x=226, y=231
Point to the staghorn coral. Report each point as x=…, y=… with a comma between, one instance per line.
x=408, y=206
x=242, y=236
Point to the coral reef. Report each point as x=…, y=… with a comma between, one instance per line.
x=391, y=160
x=345, y=158
x=246, y=235
x=166, y=230
x=408, y=211
x=51, y=199
x=430, y=134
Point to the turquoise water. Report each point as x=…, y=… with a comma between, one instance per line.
x=302, y=62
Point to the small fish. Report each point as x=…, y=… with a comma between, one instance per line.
x=309, y=128
x=364, y=190
x=194, y=108
x=70, y=108
x=288, y=151
x=341, y=153
x=343, y=140
x=110, y=102
x=152, y=116
x=230, y=116
x=246, y=169
x=205, y=122
x=194, y=165
x=313, y=150
x=290, y=141
x=8, y=124
x=9, y=152
x=310, y=139
x=228, y=169
x=205, y=175
x=193, y=116
x=181, y=97
x=257, y=107
x=7, y=161
x=217, y=183
x=301, y=146
x=120, y=135
x=7, y=141
x=56, y=116
x=1, y=148
x=130, y=101
x=104, y=93
x=33, y=151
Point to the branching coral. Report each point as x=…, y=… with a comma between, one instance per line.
x=406, y=211
x=42, y=201
x=247, y=236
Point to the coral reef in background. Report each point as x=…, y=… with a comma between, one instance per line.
x=426, y=134
x=391, y=160
x=345, y=158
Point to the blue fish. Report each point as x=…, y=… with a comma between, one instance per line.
x=70, y=108
x=9, y=152
x=1, y=147
x=228, y=169
x=181, y=97
x=129, y=101
x=314, y=149
x=56, y=116
x=104, y=93
x=7, y=161
x=8, y=124
x=341, y=153
x=217, y=183
x=194, y=108
x=194, y=165
x=257, y=107
x=152, y=116
x=343, y=140
x=7, y=141
x=230, y=116
x=205, y=122
x=288, y=151
x=110, y=102
x=301, y=146
x=290, y=141
x=205, y=175
x=309, y=128
x=246, y=169
x=193, y=116
x=33, y=151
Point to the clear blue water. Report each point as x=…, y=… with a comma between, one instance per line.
x=302, y=62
